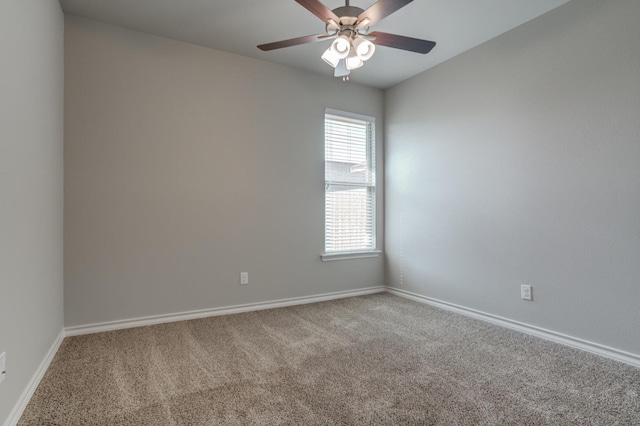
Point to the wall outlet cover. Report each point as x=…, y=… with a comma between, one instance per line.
x=525, y=292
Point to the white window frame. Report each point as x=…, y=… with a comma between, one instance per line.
x=371, y=161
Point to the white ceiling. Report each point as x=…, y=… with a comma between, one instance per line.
x=238, y=26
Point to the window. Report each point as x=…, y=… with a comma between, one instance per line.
x=350, y=184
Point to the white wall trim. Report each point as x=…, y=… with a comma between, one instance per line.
x=203, y=313
x=563, y=339
x=553, y=336
x=18, y=409
x=330, y=257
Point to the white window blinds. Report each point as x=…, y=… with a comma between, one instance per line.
x=350, y=183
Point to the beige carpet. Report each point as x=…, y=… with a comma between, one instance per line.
x=375, y=359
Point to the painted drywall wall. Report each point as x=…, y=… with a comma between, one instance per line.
x=518, y=162
x=185, y=166
x=31, y=189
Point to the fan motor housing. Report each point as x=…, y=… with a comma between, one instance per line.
x=351, y=14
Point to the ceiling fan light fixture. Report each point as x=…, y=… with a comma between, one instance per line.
x=341, y=46
x=352, y=43
x=330, y=57
x=341, y=70
x=363, y=48
x=353, y=61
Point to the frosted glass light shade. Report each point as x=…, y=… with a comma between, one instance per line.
x=341, y=70
x=330, y=57
x=364, y=48
x=341, y=47
x=353, y=61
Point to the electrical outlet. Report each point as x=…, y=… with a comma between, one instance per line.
x=3, y=372
x=244, y=278
x=525, y=292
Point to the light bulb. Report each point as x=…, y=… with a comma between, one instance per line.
x=364, y=48
x=353, y=61
x=341, y=46
x=330, y=57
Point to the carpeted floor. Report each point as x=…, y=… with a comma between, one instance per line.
x=367, y=360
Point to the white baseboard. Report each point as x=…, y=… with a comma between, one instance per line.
x=203, y=313
x=18, y=409
x=563, y=339
x=553, y=336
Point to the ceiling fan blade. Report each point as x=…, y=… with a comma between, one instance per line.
x=401, y=42
x=381, y=9
x=293, y=42
x=319, y=9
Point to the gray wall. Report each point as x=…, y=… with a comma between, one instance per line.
x=31, y=173
x=185, y=166
x=518, y=162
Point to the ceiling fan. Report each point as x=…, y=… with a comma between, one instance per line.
x=349, y=26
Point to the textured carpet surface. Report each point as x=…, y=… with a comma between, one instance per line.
x=375, y=359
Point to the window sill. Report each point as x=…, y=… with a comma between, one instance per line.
x=346, y=255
